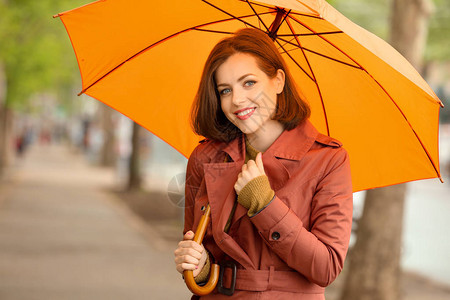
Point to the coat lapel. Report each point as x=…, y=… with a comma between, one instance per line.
x=276, y=172
x=220, y=178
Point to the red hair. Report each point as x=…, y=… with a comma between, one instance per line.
x=207, y=117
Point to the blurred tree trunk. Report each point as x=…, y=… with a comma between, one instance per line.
x=6, y=138
x=3, y=119
x=107, y=156
x=374, y=265
x=134, y=172
x=409, y=29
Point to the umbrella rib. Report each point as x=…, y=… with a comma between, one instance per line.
x=257, y=4
x=320, y=54
x=257, y=15
x=334, y=46
x=213, y=31
x=308, y=34
x=314, y=76
x=384, y=90
x=286, y=42
x=331, y=58
x=234, y=17
x=298, y=65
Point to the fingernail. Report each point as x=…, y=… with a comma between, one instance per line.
x=196, y=267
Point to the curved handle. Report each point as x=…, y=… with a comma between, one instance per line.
x=214, y=273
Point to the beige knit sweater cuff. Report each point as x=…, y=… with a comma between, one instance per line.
x=256, y=195
x=204, y=273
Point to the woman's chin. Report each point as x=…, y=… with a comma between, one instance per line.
x=247, y=130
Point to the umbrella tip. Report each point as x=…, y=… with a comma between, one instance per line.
x=56, y=16
x=442, y=180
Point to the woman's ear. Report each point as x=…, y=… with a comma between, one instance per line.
x=280, y=79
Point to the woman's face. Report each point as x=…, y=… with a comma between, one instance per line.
x=248, y=97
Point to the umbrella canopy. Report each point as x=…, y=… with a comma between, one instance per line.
x=145, y=58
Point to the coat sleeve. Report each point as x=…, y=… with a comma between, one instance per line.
x=317, y=254
x=194, y=178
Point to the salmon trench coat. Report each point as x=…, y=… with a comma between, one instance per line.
x=297, y=244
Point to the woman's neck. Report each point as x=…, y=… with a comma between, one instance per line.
x=262, y=139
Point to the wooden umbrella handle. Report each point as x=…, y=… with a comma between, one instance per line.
x=214, y=273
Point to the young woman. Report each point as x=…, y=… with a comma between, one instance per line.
x=280, y=192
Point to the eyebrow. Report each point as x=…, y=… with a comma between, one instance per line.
x=239, y=79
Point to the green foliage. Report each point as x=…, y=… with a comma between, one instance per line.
x=371, y=15
x=374, y=15
x=35, y=49
x=438, y=46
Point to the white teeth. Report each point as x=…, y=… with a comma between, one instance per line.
x=247, y=111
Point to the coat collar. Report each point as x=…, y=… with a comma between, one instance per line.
x=293, y=144
x=236, y=149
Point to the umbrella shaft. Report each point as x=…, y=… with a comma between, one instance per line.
x=202, y=225
x=276, y=23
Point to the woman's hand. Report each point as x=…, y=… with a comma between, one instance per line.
x=189, y=255
x=250, y=170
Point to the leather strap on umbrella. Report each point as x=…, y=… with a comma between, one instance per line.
x=214, y=273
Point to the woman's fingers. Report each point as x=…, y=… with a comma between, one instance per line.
x=259, y=163
x=188, y=235
x=188, y=259
x=184, y=266
x=186, y=262
x=189, y=244
x=250, y=170
x=188, y=254
x=180, y=252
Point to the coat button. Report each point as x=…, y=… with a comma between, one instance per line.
x=275, y=235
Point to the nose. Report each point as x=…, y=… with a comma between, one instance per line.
x=238, y=97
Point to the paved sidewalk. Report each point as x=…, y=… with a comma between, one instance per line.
x=62, y=236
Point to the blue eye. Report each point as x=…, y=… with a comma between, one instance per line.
x=224, y=91
x=249, y=83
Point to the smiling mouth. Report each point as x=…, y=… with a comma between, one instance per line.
x=245, y=114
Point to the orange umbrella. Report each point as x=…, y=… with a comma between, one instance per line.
x=144, y=59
